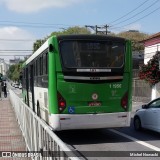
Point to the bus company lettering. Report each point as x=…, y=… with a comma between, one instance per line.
x=93, y=70
x=95, y=78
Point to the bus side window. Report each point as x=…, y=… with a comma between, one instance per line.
x=34, y=64
x=47, y=63
x=24, y=78
x=39, y=66
x=41, y=62
x=44, y=64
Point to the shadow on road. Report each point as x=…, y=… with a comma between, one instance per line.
x=96, y=136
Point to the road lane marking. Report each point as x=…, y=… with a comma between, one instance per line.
x=136, y=140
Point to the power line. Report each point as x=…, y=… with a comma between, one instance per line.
x=17, y=40
x=99, y=29
x=129, y=12
x=31, y=26
x=6, y=55
x=137, y=13
x=138, y=19
x=35, y=23
x=19, y=50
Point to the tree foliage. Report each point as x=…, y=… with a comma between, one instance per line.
x=38, y=43
x=70, y=30
x=135, y=37
x=150, y=72
x=15, y=71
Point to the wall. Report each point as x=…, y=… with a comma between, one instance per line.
x=155, y=91
x=3, y=67
x=150, y=51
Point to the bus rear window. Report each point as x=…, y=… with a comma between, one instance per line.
x=92, y=54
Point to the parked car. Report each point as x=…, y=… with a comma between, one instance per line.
x=16, y=85
x=20, y=86
x=12, y=84
x=148, y=116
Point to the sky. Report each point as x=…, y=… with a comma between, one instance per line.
x=22, y=22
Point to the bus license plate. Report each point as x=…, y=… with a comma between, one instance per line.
x=94, y=104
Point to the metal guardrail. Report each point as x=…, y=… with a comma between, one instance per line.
x=41, y=141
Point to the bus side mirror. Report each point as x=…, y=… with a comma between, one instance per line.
x=51, y=48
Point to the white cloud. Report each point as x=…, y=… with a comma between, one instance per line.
x=9, y=40
x=27, y=6
x=134, y=27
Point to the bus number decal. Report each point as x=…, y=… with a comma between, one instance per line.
x=116, y=86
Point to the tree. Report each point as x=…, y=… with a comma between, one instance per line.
x=1, y=75
x=70, y=30
x=135, y=37
x=150, y=72
x=14, y=71
x=77, y=30
x=37, y=44
x=10, y=71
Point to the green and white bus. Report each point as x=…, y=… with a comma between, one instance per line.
x=80, y=82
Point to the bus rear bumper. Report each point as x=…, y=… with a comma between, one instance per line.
x=90, y=121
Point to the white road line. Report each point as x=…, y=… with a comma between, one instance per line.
x=136, y=140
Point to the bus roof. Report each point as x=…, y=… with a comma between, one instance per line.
x=90, y=36
x=38, y=52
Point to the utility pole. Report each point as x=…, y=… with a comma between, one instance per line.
x=99, y=29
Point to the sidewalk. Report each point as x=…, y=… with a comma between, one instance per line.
x=11, y=138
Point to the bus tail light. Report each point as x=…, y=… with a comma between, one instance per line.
x=124, y=101
x=61, y=103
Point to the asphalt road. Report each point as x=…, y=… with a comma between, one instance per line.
x=124, y=141
x=16, y=90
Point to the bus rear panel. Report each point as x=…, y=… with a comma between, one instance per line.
x=92, y=82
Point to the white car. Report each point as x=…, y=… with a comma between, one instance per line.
x=20, y=86
x=148, y=116
x=16, y=85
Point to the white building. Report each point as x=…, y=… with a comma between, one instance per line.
x=152, y=45
x=3, y=67
x=14, y=61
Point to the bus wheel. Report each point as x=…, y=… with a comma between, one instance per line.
x=38, y=110
x=137, y=124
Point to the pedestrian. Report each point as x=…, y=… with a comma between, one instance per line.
x=2, y=84
x=0, y=91
x=5, y=90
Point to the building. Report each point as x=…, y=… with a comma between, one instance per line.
x=152, y=45
x=14, y=61
x=138, y=59
x=3, y=67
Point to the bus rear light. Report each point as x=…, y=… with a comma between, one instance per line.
x=124, y=101
x=61, y=103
